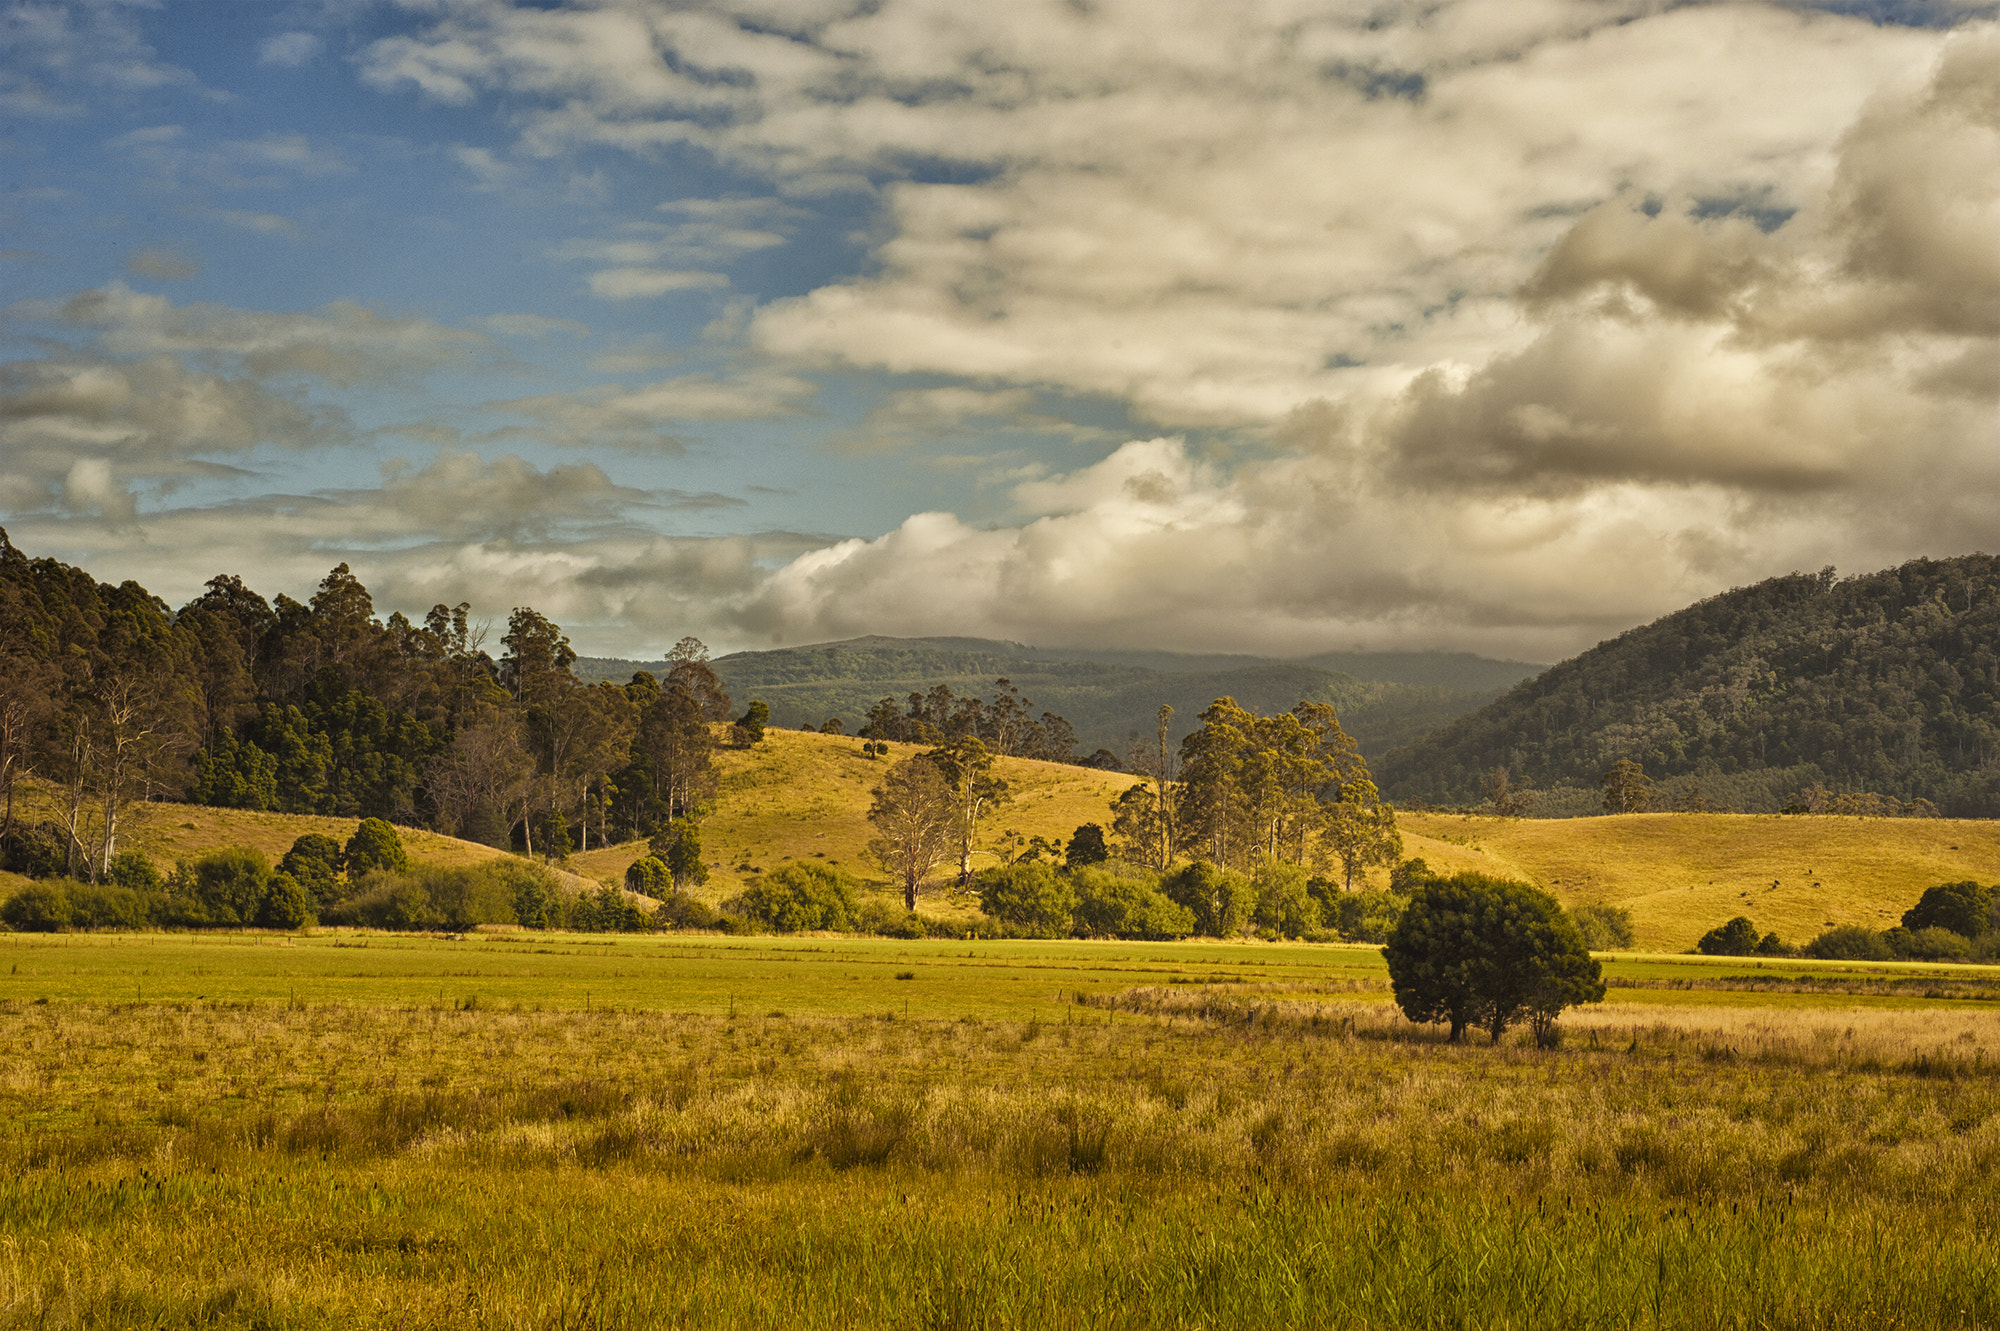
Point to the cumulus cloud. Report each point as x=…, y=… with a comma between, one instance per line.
x=636, y=283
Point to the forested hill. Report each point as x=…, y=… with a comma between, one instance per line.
x=1885, y=682
x=1384, y=699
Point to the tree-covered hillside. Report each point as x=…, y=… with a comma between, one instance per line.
x=1385, y=699
x=1885, y=682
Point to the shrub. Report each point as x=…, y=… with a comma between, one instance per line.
x=224, y=887
x=1932, y=944
x=1738, y=938
x=41, y=908
x=1964, y=908
x=1285, y=903
x=678, y=910
x=470, y=894
x=1122, y=903
x=800, y=896
x=1604, y=928
x=754, y=719
x=887, y=921
x=287, y=904
x=374, y=845
x=1773, y=946
x=1850, y=942
x=1221, y=899
x=108, y=906
x=649, y=876
x=607, y=911
x=131, y=869
x=538, y=902
x=314, y=860
x=386, y=900
x=1029, y=897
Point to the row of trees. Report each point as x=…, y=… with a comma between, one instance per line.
x=1950, y=922
x=1006, y=726
x=321, y=707
x=1240, y=791
x=1243, y=786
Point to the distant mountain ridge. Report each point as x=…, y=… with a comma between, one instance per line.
x=1886, y=682
x=1107, y=695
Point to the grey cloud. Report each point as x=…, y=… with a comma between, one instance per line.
x=644, y=417
x=341, y=343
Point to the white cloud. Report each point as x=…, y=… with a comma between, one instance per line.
x=289, y=50
x=635, y=283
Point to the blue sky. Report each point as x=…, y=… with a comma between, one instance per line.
x=1274, y=328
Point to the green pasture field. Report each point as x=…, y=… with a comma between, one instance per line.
x=554, y=1131
x=837, y=976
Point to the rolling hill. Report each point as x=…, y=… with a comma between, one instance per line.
x=1384, y=699
x=1887, y=682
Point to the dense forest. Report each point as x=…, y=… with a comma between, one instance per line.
x=1760, y=698
x=109, y=696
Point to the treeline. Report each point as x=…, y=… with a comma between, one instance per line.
x=1951, y=922
x=1886, y=683
x=110, y=696
x=367, y=882
x=1007, y=725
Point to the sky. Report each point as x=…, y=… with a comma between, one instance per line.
x=1274, y=327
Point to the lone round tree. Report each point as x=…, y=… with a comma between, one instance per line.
x=1478, y=951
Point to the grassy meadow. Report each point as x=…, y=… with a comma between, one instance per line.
x=347, y=1129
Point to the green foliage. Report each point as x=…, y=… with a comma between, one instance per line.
x=754, y=720
x=1850, y=942
x=1221, y=900
x=1122, y=903
x=1738, y=938
x=800, y=896
x=1965, y=908
x=683, y=857
x=538, y=902
x=1410, y=875
x=109, y=906
x=1473, y=949
x=287, y=904
x=1627, y=788
x=1773, y=946
x=374, y=845
x=1285, y=906
x=1605, y=928
x=1928, y=944
x=1086, y=847
x=41, y=907
x=1883, y=682
x=649, y=876
x=34, y=850
x=1030, y=896
x=607, y=911
x=224, y=887
x=1359, y=917
x=131, y=869
x=386, y=900
x=314, y=860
